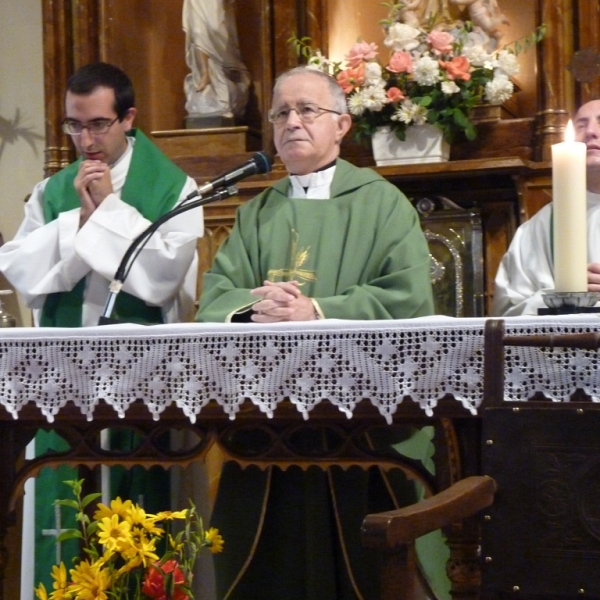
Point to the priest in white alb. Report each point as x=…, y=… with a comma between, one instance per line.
x=527, y=269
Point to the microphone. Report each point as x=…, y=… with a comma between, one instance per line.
x=140, y=241
x=259, y=163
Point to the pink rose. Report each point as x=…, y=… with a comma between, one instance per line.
x=361, y=51
x=351, y=78
x=441, y=41
x=401, y=62
x=395, y=94
x=457, y=68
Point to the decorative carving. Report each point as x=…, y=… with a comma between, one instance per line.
x=585, y=65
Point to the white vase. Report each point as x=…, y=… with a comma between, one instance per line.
x=423, y=144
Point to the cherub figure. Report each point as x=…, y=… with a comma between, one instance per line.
x=408, y=13
x=487, y=15
x=418, y=13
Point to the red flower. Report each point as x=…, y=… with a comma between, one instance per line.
x=154, y=583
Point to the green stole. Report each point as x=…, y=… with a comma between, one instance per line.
x=153, y=186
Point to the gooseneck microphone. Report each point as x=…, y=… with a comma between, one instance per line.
x=259, y=163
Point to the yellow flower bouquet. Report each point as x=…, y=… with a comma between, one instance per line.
x=122, y=557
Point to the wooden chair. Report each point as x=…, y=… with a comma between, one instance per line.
x=540, y=532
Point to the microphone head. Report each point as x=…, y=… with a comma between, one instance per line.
x=263, y=162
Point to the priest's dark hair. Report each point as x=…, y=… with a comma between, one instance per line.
x=100, y=74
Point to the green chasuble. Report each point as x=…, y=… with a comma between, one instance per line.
x=153, y=186
x=361, y=254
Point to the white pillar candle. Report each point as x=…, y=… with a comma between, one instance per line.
x=570, y=214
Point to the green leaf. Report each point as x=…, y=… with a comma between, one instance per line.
x=70, y=534
x=70, y=503
x=470, y=131
x=90, y=498
x=461, y=119
x=93, y=527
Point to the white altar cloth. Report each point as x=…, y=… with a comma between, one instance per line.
x=342, y=362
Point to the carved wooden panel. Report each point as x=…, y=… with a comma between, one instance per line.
x=541, y=538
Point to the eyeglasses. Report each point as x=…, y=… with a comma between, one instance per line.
x=95, y=127
x=307, y=112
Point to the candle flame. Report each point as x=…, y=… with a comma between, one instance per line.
x=570, y=132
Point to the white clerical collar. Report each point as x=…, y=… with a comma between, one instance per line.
x=315, y=186
x=119, y=169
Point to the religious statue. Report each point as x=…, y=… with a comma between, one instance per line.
x=218, y=83
x=487, y=15
x=420, y=13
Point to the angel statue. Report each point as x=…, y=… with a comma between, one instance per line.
x=418, y=13
x=218, y=83
x=487, y=15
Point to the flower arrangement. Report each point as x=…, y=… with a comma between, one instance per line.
x=121, y=544
x=435, y=74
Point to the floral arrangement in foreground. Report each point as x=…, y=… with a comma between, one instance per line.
x=121, y=545
x=435, y=74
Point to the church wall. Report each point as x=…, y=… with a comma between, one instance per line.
x=22, y=139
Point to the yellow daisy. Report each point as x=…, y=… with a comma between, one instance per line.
x=59, y=574
x=89, y=581
x=137, y=516
x=169, y=515
x=40, y=592
x=214, y=540
x=114, y=534
x=117, y=507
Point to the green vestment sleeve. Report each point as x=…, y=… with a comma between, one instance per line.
x=361, y=253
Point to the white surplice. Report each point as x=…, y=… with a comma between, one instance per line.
x=52, y=257
x=526, y=270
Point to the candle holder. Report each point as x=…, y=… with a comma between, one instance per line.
x=570, y=303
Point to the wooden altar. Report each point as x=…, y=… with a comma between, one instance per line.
x=337, y=380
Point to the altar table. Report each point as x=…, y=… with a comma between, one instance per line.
x=343, y=373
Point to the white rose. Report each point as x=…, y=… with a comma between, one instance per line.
x=373, y=73
x=402, y=37
x=449, y=87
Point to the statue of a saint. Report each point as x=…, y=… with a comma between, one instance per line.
x=218, y=83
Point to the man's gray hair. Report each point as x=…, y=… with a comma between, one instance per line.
x=337, y=94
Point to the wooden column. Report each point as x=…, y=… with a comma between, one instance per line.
x=86, y=19
x=58, y=57
x=589, y=36
x=556, y=84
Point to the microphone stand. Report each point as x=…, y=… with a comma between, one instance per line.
x=140, y=241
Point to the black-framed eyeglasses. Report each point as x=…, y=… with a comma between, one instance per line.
x=95, y=127
x=306, y=111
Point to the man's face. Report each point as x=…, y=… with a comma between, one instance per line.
x=107, y=147
x=587, y=130
x=305, y=147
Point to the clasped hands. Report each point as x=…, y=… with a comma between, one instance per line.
x=282, y=301
x=92, y=184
